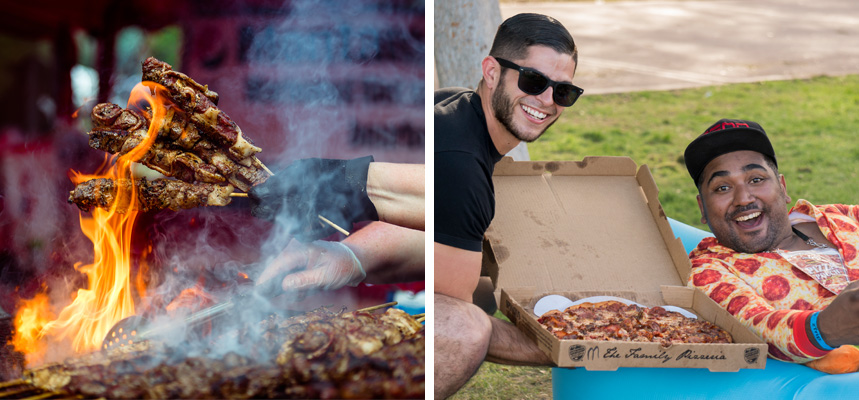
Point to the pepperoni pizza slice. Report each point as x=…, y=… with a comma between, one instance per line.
x=616, y=321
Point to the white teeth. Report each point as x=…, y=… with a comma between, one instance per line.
x=534, y=113
x=748, y=217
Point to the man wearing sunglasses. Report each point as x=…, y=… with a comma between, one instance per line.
x=526, y=85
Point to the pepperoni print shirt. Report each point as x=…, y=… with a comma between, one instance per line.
x=767, y=293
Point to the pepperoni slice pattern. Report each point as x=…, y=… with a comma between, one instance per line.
x=766, y=293
x=706, y=277
x=758, y=312
x=722, y=291
x=775, y=287
x=775, y=318
x=844, y=225
x=777, y=354
x=737, y=303
x=849, y=252
x=747, y=266
x=801, y=304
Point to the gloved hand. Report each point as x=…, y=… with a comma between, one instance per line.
x=317, y=265
x=308, y=188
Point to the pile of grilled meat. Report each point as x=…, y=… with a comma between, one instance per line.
x=321, y=354
x=197, y=144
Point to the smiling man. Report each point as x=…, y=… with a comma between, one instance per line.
x=527, y=83
x=787, y=275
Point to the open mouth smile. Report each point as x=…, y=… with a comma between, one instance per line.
x=749, y=220
x=534, y=113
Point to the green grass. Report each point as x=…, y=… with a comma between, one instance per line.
x=813, y=124
x=504, y=382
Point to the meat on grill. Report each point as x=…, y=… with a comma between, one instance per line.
x=201, y=104
x=151, y=195
x=337, y=368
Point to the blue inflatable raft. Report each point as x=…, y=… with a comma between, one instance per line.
x=779, y=380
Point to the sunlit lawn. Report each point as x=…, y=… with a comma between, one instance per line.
x=813, y=124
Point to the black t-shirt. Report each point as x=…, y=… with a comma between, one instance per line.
x=464, y=160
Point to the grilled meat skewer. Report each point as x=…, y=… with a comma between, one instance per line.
x=151, y=195
x=178, y=151
x=201, y=104
x=161, y=157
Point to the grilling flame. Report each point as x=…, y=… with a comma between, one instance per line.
x=34, y=314
x=109, y=296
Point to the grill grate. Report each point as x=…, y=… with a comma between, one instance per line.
x=25, y=389
x=22, y=389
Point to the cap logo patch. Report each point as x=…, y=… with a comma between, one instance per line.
x=727, y=125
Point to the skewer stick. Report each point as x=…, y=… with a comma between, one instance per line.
x=421, y=319
x=261, y=165
x=416, y=316
x=14, y=394
x=42, y=396
x=13, y=383
x=371, y=308
x=325, y=220
x=333, y=225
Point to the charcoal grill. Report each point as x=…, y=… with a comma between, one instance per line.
x=23, y=389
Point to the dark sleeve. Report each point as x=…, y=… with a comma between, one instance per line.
x=463, y=200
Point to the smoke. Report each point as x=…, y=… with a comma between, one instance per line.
x=339, y=77
x=344, y=84
x=336, y=79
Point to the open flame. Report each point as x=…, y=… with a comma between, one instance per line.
x=109, y=296
x=34, y=315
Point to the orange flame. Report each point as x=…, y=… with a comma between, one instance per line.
x=192, y=299
x=108, y=297
x=35, y=314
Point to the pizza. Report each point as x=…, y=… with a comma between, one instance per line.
x=616, y=321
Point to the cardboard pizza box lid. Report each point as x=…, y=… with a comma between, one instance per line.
x=590, y=225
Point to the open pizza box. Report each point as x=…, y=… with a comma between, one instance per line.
x=595, y=227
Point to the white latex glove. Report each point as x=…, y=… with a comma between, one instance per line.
x=316, y=265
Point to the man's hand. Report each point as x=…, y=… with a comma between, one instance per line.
x=839, y=322
x=313, y=187
x=313, y=266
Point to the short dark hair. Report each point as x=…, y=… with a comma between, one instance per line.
x=521, y=31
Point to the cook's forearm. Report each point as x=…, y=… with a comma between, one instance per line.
x=397, y=191
x=389, y=253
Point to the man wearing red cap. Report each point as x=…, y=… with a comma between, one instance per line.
x=787, y=275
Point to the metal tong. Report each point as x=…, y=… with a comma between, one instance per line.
x=135, y=329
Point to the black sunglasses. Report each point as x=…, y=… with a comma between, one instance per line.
x=533, y=82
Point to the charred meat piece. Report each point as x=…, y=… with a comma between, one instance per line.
x=161, y=156
x=201, y=105
x=151, y=195
x=178, y=151
x=359, y=333
x=112, y=116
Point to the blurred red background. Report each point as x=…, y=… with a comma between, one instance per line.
x=302, y=78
